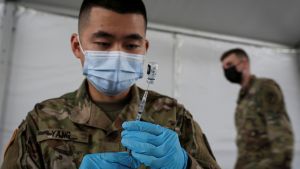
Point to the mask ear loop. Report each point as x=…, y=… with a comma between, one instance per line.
x=82, y=51
x=80, y=46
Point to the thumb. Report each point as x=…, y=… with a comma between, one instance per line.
x=122, y=158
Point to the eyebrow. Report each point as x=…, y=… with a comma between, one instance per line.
x=102, y=34
x=134, y=37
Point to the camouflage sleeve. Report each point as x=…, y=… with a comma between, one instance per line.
x=195, y=143
x=278, y=128
x=22, y=151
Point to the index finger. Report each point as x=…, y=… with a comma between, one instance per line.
x=143, y=126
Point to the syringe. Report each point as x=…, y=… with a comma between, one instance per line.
x=151, y=72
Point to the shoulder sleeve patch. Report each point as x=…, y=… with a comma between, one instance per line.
x=272, y=94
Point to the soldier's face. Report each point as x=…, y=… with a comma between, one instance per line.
x=107, y=30
x=233, y=60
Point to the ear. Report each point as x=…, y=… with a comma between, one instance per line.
x=75, y=47
x=245, y=61
x=147, y=45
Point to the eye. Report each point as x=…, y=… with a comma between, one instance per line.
x=229, y=64
x=103, y=44
x=132, y=46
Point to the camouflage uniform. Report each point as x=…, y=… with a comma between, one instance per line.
x=264, y=132
x=59, y=132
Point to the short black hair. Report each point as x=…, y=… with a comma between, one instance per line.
x=119, y=6
x=240, y=53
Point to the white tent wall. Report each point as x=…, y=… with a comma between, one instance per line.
x=2, y=75
x=7, y=21
x=2, y=68
x=43, y=66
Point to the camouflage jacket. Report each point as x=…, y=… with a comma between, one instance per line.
x=264, y=133
x=57, y=133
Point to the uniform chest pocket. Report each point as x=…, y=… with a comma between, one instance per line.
x=249, y=116
x=253, y=130
x=253, y=119
x=106, y=142
x=62, y=149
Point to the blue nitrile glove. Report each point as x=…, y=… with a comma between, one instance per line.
x=118, y=160
x=153, y=145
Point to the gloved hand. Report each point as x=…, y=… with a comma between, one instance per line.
x=119, y=160
x=153, y=145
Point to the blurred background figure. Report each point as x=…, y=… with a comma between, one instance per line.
x=264, y=133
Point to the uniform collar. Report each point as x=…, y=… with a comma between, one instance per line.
x=244, y=91
x=86, y=112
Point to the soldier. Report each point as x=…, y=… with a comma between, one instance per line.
x=264, y=132
x=93, y=126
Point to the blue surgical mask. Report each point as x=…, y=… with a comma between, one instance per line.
x=112, y=72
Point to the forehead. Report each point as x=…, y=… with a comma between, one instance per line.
x=231, y=58
x=113, y=22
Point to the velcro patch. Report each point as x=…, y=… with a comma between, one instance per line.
x=60, y=134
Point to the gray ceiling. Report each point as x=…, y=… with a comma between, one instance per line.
x=276, y=21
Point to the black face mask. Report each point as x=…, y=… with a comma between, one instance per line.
x=233, y=75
